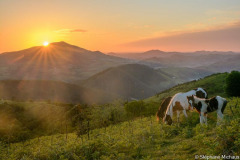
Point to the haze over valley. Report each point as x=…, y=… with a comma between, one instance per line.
x=103, y=77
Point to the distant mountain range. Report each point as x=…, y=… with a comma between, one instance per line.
x=157, y=58
x=224, y=65
x=67, y=73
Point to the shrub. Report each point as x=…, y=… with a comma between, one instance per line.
x=232, y=84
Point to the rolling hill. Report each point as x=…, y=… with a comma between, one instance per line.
x=137, y=81
x=130, y=81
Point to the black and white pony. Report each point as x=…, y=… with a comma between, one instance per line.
x=180, y=103
x=204, y=106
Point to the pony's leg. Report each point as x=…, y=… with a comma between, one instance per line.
x=201, y=118
x=178, y=114
x=205, y=119
x=219, y=116
x=185, y=113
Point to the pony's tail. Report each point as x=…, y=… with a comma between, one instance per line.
x=168, y=107
x=224, y=105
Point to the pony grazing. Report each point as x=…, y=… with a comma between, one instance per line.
x=204, y=106
x=162, y=109
x=180, y=103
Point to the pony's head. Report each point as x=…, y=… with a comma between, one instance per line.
x=191, y=101
x=201, y=93
x=168, y=120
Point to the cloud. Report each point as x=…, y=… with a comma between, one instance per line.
x=77, y=30
x=224, y=37
x=70, y=30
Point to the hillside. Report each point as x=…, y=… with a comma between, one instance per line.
x=130, y=81
x=184, y=74
x=25, y=90
x=144, y=138
x=214, y=84
x=59, y=61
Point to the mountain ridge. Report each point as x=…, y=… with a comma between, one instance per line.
x=58, y=61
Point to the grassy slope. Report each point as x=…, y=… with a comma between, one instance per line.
x=143, y=138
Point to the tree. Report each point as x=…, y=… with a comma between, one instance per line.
x=233, y=84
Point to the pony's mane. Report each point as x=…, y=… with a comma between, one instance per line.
x=199, y=99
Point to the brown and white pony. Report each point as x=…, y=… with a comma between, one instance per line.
x=180, y=103
x=204, y=106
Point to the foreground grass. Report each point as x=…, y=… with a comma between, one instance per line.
x=139, y=139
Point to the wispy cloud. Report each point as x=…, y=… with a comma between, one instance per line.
x=221, y=37
x=65, y=31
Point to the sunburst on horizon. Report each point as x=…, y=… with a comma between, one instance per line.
x=45, y=43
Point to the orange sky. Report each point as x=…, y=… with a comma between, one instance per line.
x=121, y=26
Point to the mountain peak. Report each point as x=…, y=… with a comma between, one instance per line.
x=60, y=43
x=154, y=51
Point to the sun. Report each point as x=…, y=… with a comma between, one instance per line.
x=46, y=43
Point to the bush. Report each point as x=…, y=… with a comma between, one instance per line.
x=228, y=137
x=232, y=84
x=135, y=108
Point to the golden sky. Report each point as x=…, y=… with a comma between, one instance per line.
x=121, y=26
